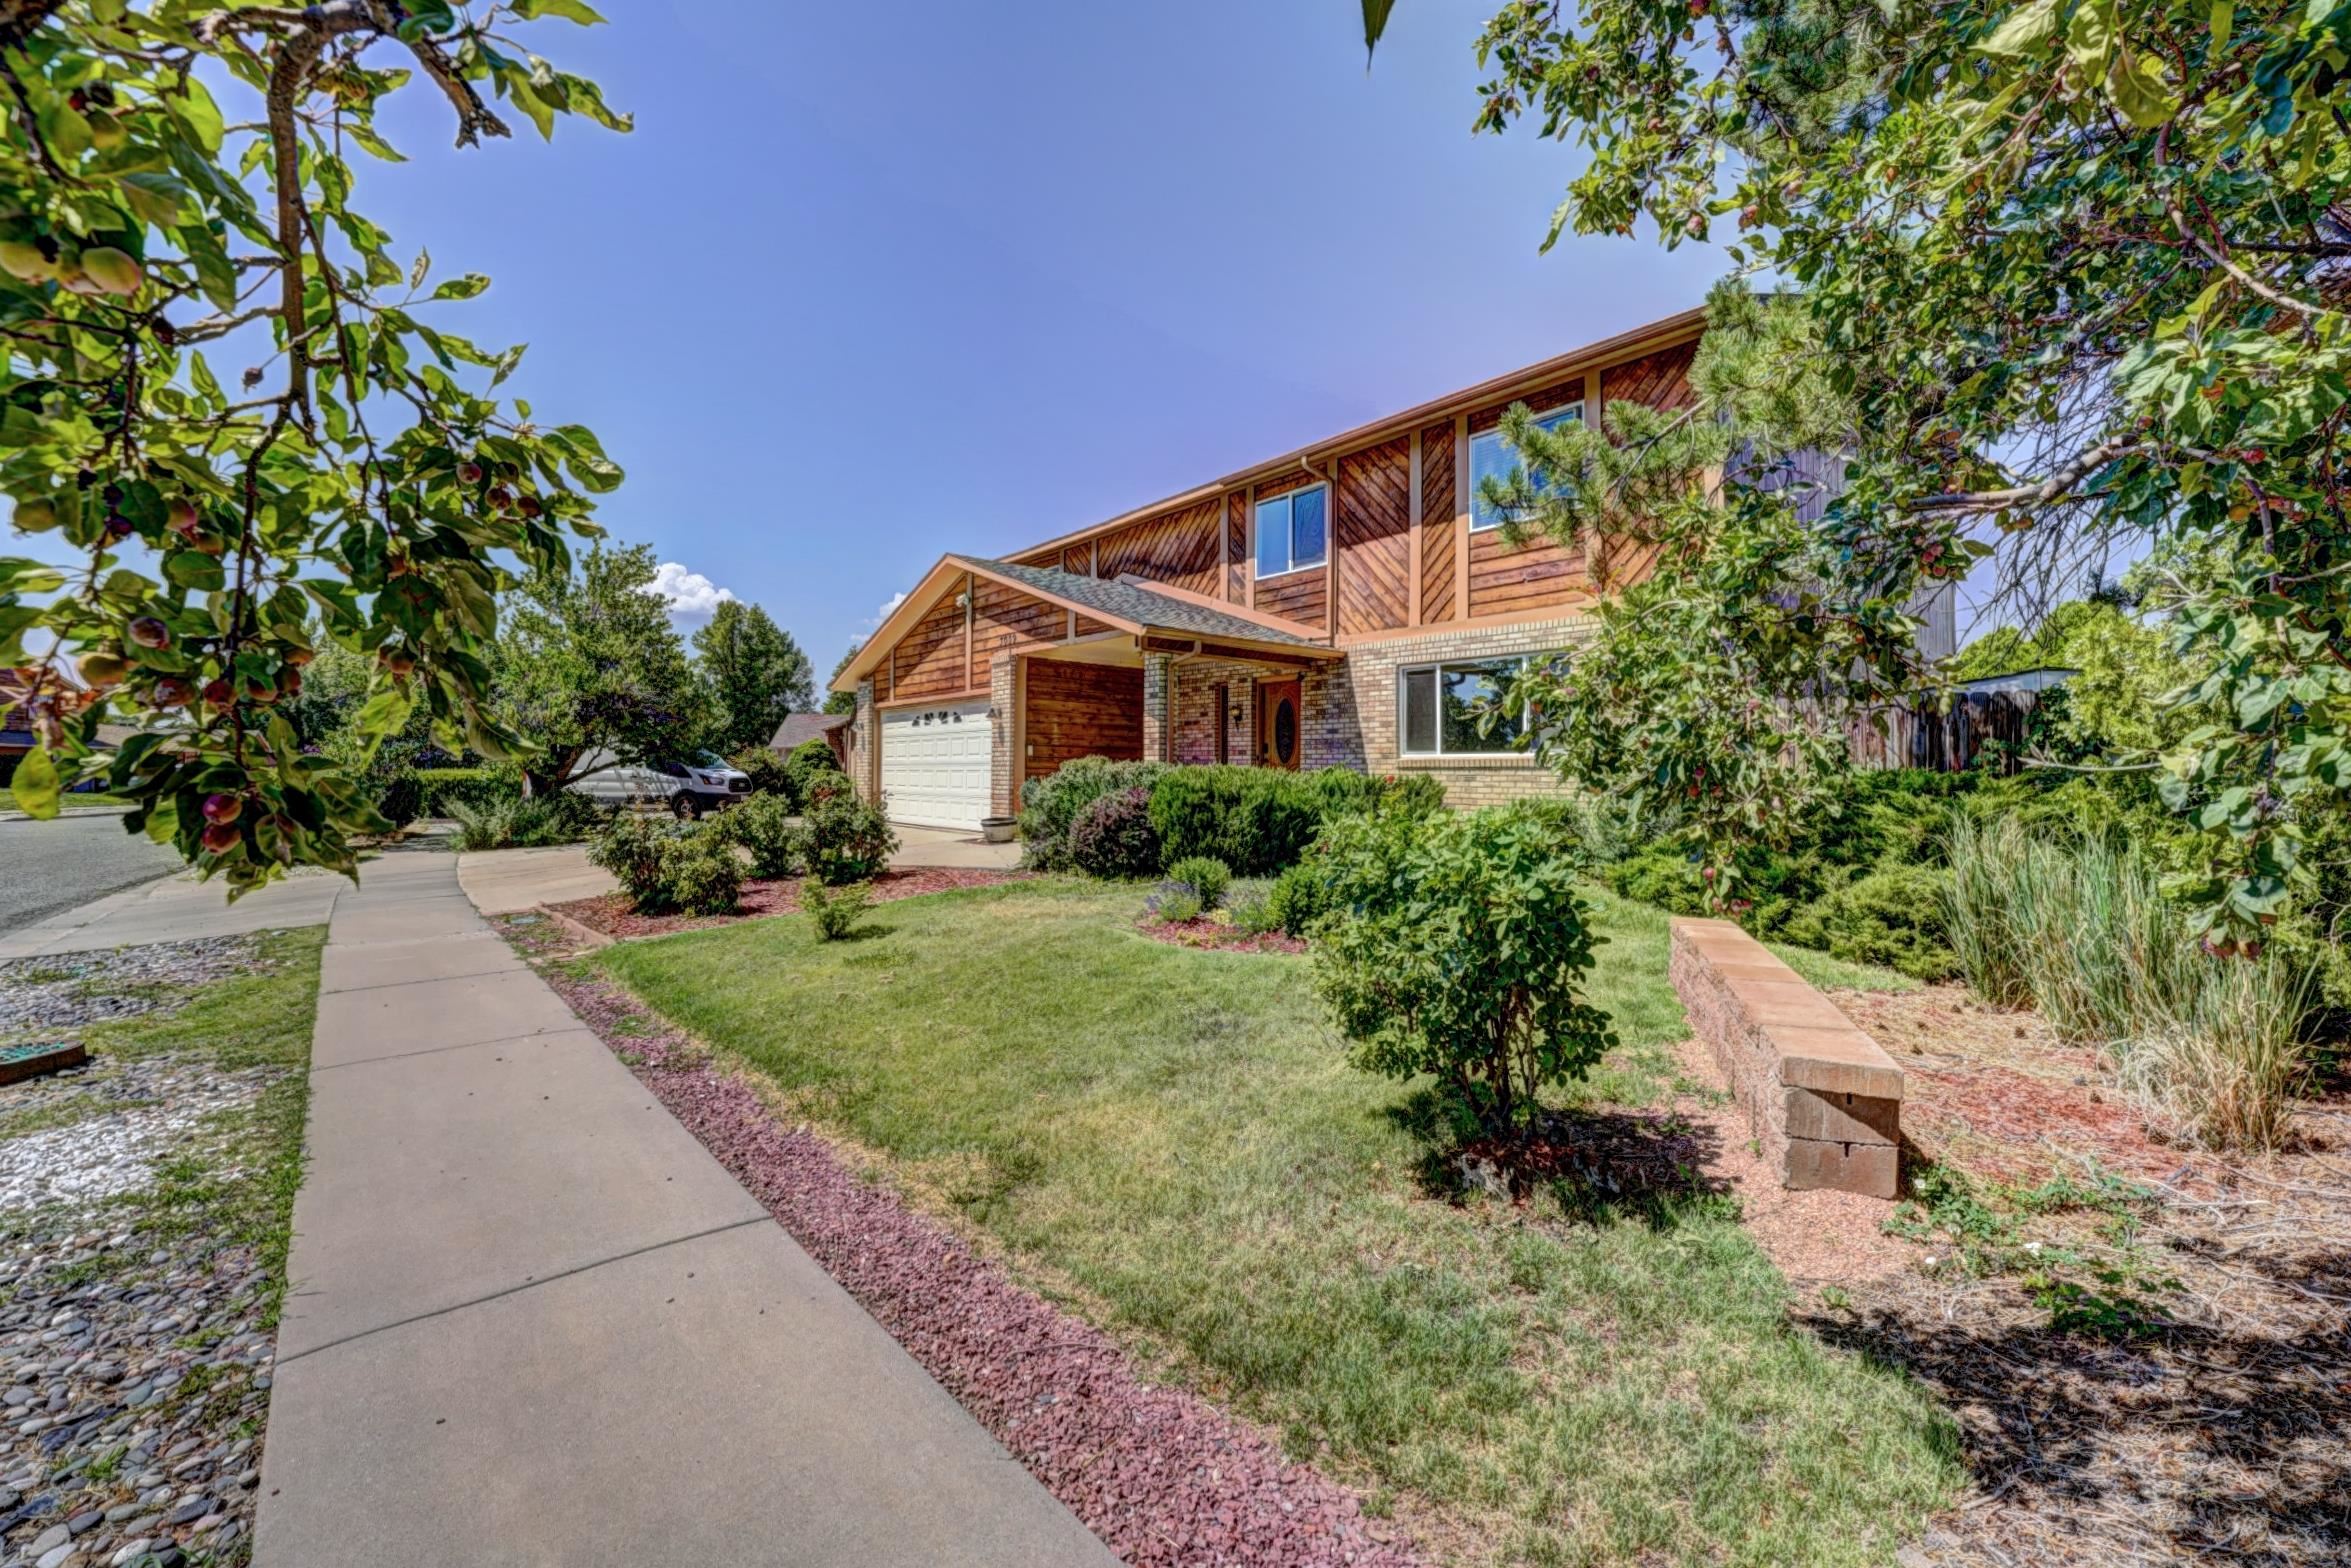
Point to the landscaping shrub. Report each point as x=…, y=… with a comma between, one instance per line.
x=1255, y=820
x=510, y=822
x=1113, y=836
x=1205, y=875
x=834, y=911
x=847, y=840
x=701, y=874
x=810, y=765
x=1300, y=896
x=1254, y=913
x=399, y=795
x=763, y=825
x=765, y=770
x=636, y=851
x=446, y=787
x=1175, y=902
x=1456, y=950
x=1050, y=805
x=1892, y=917
x=2080, y=930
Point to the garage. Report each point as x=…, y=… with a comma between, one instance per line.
x=935, y=765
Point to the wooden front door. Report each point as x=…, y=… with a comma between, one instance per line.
x=1280, y=727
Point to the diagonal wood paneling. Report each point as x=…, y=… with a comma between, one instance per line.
x=1373, y=535
x=928, y=660
x=1236, y=527
x=1182, y=547
x=1661, y=380
x=1005, y=620
x=1079, y=558
x=1436, y=524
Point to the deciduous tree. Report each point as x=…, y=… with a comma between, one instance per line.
x=241, y=414
x=757, y=674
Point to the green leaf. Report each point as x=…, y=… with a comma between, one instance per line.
x=2025, y=32
x=1375, y=25
x=158, y=198
x=36, y=784
x=462, y=288
x=372, y=144
x=193, y=107
x=569, y=10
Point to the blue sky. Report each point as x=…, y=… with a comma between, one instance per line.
x=870, y=283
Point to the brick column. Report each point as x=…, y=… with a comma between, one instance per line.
x=1159, y=683
x=1005, y=680
x=865, y=735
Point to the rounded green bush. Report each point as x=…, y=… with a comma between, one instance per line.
x=1205, y=875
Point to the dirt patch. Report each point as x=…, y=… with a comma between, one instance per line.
x=1222, y=938
x=2159, y=1374
x=609, y=914
x=1161, y=1476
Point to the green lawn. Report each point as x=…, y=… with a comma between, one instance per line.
x=1171, y=1142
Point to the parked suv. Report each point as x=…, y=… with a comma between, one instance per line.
x=703, y=782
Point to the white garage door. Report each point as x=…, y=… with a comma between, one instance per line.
x=935, y=766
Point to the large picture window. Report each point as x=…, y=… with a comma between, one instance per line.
x=1293, y=531
x=1441, y=705
x=1492, y=456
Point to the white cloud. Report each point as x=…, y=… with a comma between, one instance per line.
x=688, y=594
x=883, y=613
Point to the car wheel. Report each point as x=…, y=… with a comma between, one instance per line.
x=685, y=807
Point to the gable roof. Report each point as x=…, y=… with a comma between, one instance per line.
x=799, y=728
x=1126, y=605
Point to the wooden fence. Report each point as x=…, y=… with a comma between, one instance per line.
x=1927, y=736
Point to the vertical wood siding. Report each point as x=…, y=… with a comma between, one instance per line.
x=928, y=660
x=1436, y=524
x=1372, y=534
x=1236, y=527
x=1005, y=619
x=1080, y=710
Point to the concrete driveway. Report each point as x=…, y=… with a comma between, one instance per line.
x=505, y=881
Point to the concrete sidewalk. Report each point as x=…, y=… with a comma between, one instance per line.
x=533, y=1322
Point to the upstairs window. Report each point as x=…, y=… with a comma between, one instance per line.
x=1293, y=531
x=1492, y=456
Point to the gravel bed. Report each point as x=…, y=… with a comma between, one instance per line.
x=134, y=1379
x=114, y=1123
x=1161, y=1476
x=71, y=990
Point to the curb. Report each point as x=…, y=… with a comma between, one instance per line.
x=586, y=935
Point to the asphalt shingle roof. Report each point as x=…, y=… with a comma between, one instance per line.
x=1138, y=604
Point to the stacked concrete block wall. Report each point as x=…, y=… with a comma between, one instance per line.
x=1824, y=1100
x=1358, y=726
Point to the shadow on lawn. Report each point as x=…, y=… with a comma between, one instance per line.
x=1598, y=1166
x=2200, y=1441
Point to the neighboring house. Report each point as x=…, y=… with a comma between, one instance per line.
x=799, y=728
x=2037, y=679
x=1342, y=604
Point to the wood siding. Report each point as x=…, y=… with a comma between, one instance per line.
x=928, y=661
x=1237, y=560
x=1081, y=710
x=1079, y=558
x=1005, y=620
x=1661, y=380
x=1436, y=525
x=1181, y=547
x=1304, y=596
x=1372, y=533
x=1537, y=575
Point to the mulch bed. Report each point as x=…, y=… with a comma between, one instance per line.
x=1222, y=938
x=2219, y=1434
x=1161, y=1476
x=609, y=914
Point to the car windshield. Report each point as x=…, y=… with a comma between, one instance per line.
x=709, y=759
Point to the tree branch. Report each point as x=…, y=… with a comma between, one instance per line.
x=2060, y=482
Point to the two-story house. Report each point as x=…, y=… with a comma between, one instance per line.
x=1345, y=603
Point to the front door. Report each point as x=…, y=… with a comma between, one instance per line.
x=1278, y=737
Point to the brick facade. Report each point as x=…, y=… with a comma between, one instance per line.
x=1196, y=716
x=1005, y=680
x=1159, y=687
x=865, y=746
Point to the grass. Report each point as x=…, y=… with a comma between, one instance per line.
x=1171, y=1142
x=235, y=1180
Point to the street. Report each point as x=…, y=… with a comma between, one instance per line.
x=46, y=867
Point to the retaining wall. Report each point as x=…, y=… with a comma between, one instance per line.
x=1824, y=1099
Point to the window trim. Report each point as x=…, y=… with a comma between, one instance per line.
x=1256, y=562
x=1437, y=668
x=1580, y=407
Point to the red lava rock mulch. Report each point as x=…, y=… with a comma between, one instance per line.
x=1223, y=938
x=610, y=915
x=1162, y=1477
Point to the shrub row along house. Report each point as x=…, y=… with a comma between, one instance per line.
x=1342, y=604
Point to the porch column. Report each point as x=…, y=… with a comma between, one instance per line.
x=1007, y=705
x=1159, y=679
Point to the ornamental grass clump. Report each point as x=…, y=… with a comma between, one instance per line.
x=2078, y=928
x=1456, y=948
